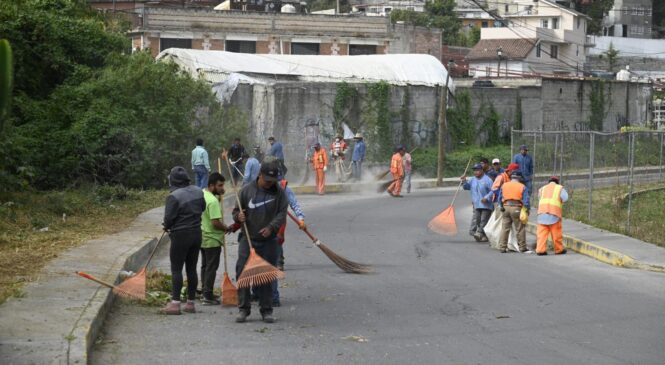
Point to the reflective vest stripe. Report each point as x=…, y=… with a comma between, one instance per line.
x=550, y=200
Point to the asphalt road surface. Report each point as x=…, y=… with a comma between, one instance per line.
x=432, y=300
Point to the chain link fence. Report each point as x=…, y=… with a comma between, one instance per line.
x=587, y=161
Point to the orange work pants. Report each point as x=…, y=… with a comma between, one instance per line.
x=544, y=232
x=320, y=181
x=396, y=187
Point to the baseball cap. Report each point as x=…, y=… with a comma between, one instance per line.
x=270, y=171
x=496, y=160
x=524, y=147
x=513, y=166
x=517, y=174
x=554, y=178
x=477, y=167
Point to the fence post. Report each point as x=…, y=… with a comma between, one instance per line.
x=512, y=131
x=561, y=158
x=556, y=148
x=631, y=161
x=592, y=138
x=660, y=164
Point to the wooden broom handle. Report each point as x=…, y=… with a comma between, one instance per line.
x=221, y=204
x=235, y=191
x=460, y=183
x=304, y=230
x=90, y=277
x=154, y=249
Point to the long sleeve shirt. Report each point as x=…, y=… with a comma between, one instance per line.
x=200, y=157
x=277, y=150
x=183, y=209
x=407, y=163
x=293, y=202
x=358, y=151
x=252, y=168
x=546, y=218
x=492, y=174
x=397, y=166
x=526, y=165
x=263, y=208
x=480, y=188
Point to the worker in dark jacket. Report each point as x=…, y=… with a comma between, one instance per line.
x=263, y=208
x=182, y=219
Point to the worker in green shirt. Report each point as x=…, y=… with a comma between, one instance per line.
x=213, y=230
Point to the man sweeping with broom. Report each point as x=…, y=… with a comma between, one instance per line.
x=262, y=206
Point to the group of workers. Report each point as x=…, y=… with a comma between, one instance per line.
x=509, y=189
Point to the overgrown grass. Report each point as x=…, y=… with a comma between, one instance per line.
x=37, y=226
x=425, y=159
x=610, y=212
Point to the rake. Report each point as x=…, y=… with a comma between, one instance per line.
x=136, y=284
x=116, y=289
x=257, y=271
x=229, y=291
x=444, y=223
x=341, y=262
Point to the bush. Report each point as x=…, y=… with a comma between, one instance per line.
x=425, y=159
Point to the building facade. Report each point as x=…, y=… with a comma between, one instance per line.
x=629, y=19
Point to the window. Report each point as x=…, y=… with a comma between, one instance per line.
x=555, y=23
x=387, y=10
x=166, y=43
x=361, y=49
x=554, y=51
x=544, y=23
x=410, y=8
x=538, y=50
x=240, y=46
x=579, y=22
x=506, y=8
x=305, y=48
x=484, y=24
x=577, y=51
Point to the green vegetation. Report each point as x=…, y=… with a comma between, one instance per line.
x=597, y=100
x=437, y=14
x=376, y=119
x=425, y=159
x=461, y=126
x=612, y=54
x=36, y=227
x=596, y=10
x=345, y=98
x=6, y=78
x=610, y=212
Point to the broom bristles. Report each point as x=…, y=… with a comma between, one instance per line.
x=344, y=263
x=257, y=272
x=229, y=292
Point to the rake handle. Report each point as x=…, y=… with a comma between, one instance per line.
x=235, y=191
x=460, y=184
x=90, y=277
x=311, y=236
x=154, y=249
x=221, y=204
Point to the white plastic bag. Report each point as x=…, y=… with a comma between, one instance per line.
x=493, y=232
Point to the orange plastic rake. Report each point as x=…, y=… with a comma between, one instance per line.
x=136, y=284
x=444, y=223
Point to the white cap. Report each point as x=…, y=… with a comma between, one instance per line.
x=496, y=160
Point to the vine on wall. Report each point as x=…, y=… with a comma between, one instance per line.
x=376, y=118
x=405, y=117
x=597, y=100
x=344, y=99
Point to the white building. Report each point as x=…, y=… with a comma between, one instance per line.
x=384, y=8
x=629, y=18
x=548, y=39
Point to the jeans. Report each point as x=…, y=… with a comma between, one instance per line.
x=407, y=181
x=201, y=176
x=481, y=216
x=184, y=251
x=274, y=285
x=357, y=169
x=529, y=185
x=209, y=266
x=268, y=251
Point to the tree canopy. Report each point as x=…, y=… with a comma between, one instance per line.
x=437, y=14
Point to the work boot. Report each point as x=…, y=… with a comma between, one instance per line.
x=210, y=301
x=562, y=252
x=242, y=317
x=172, y=308
x=525, y=250
x=189, y=307
x=541, y=253
x=503, y=250
x=276, y=303
x=268, y=318
x=477, y=237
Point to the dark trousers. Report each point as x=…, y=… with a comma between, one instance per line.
x=268, y=251
x=481, y=217
x=236, y=172
x=185, y=246
x=209, y=266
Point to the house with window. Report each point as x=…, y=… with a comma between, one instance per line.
x=629, y=19
x=533, y=38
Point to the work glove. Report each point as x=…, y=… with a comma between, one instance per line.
x=325, y=168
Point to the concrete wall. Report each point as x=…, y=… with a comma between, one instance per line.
x=559, y=104
x=284, y=109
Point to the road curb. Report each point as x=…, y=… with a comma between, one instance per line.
x=600, y=253
x=87, y=327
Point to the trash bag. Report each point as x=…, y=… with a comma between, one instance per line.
x=493, y=232
x=524, y=216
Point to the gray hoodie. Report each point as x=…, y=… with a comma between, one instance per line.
x=185, y=203
x=262, y=208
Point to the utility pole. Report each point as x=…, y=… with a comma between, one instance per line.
x=443, y=107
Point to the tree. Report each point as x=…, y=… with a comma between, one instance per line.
x=612, y=54
x=596, y=10
x=437, y=14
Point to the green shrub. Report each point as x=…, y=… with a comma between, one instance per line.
x=425, y=159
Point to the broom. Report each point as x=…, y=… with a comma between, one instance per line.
x=444, y=223
x=136, y=284
x=383, y=174
x=257, y=271
x=341, y=262
x=229, y=291
x=116, y=289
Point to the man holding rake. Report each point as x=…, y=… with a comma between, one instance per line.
x=262, y=207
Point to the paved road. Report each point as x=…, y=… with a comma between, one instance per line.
x=432, y=299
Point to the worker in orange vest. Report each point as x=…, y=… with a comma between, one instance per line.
x=550, y=207
x=397, y=170
x=512, y=197
x=502, y=178
x=320, y=166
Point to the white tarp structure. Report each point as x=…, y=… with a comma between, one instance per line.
x=400, y=69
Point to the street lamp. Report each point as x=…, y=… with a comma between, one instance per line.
x=499, y=54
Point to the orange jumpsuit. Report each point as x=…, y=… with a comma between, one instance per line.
x=319, y=162
x=550, y=202
x=397, y=169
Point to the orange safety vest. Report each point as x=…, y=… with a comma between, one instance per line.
x=550, y=199
x=512, y=190
x=500, y=180
x=320, y=159
x=396, y=167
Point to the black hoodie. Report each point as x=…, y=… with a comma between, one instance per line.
x=185, y=203
x=263, y=208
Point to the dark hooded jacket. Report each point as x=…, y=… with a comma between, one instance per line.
x=185, y=203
